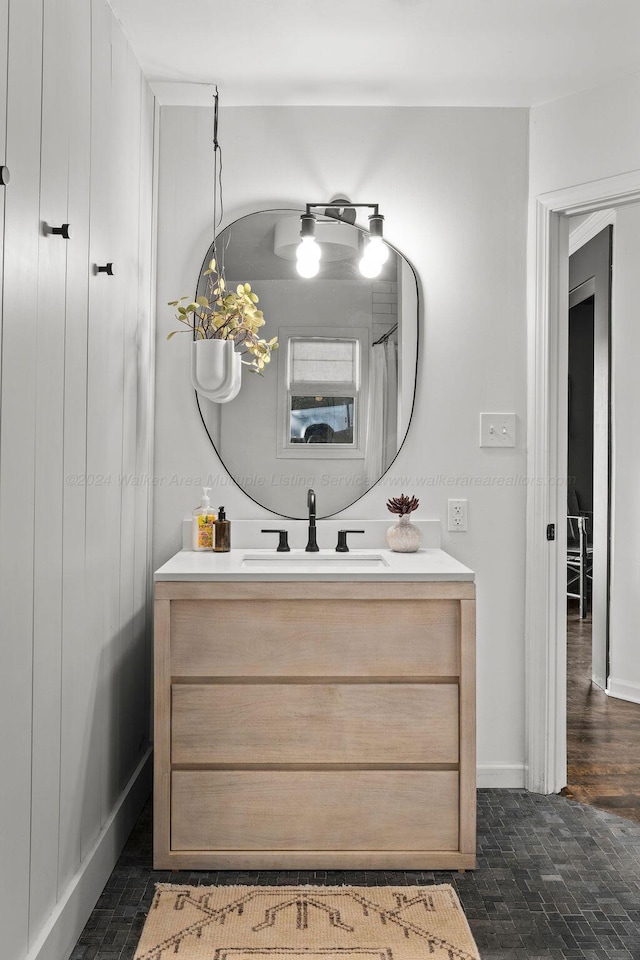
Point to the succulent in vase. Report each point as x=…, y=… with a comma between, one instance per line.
x=224, y=315
x=403, y=536
x=402, y=505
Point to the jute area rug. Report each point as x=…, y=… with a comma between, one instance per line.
x=306, y=923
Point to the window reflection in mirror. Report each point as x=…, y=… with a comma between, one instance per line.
x=321, y=419
x=323, y=381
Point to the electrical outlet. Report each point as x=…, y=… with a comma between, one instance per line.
x=457, y=516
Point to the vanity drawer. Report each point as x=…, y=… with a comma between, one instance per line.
x=406, y=810
x=373, y=723
x=324, y=638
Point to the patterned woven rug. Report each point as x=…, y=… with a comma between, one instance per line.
x=315, y=923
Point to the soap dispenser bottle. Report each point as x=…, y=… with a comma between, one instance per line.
x=202, y=523
x=222, y=533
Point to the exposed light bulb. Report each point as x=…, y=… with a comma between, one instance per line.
x=308, y=268
x=308, y=257
x=308, y=250
x=369, y=268
x=377, y=250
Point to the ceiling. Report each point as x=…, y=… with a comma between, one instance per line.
x=382, y=52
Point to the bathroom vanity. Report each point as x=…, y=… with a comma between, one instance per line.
x=314, y=713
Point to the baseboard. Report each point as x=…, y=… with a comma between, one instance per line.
x=60, y=934
x=623, y=690
x=501, y=774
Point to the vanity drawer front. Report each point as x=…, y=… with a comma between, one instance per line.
x=409, y=810
x=378, y=723
x=324, y=638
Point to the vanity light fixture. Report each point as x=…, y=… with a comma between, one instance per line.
x=375, y=253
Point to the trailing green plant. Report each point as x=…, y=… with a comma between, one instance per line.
x=225, y=315
x=402, y=505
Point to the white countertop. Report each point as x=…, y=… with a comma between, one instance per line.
x=249, y=565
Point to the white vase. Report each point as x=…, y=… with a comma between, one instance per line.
x=404, y=536
x=216, y=369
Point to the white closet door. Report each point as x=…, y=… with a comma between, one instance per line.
x=17, y=465
x=49, y=358
x=77, y=708
x=145, y=400
x=111, y=429
x=76, y=131
x=125, y=160
x=133, y=161
x=99, y=522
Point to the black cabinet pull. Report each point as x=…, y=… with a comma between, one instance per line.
x=5, y=176
x=108, y=269
x=64, y=231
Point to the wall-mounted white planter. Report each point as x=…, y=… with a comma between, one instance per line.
x=216, y=369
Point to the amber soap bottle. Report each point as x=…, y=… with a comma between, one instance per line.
x=222, y=533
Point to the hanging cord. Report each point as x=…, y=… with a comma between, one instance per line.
x=217, y=181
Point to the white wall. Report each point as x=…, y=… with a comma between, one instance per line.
x=452, y=184
x=588, y=137
x=76, y=410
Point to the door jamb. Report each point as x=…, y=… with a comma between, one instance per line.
x=545, y=604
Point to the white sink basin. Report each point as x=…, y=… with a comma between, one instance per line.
x=303, y=562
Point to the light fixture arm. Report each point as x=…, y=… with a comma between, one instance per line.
x=344, y=206
x=307, y=220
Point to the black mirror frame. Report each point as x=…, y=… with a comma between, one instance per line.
x=285, y=516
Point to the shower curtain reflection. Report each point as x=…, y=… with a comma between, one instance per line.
x=382, y=418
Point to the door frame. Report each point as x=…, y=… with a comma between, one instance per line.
x=547, y=358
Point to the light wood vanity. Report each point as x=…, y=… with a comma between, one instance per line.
x=314, y=725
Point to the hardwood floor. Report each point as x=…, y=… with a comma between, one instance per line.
x=603, y=734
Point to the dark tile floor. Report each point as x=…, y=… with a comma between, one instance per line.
x=556, y=880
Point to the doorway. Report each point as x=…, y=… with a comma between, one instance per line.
x=546, y=655
x=588, y=442
x=602, y=727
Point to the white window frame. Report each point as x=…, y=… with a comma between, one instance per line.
x=322, y=451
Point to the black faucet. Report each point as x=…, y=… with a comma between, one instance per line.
x=312, y=545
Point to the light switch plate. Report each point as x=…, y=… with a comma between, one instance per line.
x=497, y=429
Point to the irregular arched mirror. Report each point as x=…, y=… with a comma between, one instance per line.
x=333, y=407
